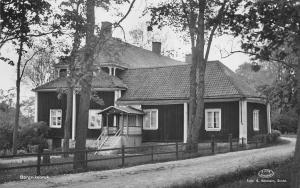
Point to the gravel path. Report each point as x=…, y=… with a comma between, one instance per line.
x=168, y=173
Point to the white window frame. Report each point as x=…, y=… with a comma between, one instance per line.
x=94, y=112
x=144, y=123
x=57, y=125
x=206, y=119
x=256, y=120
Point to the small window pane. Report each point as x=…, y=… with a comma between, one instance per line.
x=209, y=125
x=147, y=120
x=131, y=120
x=153, y=119
x=58, y=113
x=209, y=117
x=217, y=121
x=53, y=113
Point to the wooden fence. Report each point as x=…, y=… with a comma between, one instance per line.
x=175, y=151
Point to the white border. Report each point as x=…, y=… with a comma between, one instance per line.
x=156, y=126
x=220, y=120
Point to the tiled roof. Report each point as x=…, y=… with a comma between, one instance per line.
x=118, y=53
x=101, y=80
x=173, y=83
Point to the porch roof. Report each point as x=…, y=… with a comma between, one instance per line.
x=121, y=110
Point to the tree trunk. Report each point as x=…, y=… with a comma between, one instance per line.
x=85, y=83
x=197, y=83
x=295, y=180
x=68, y=121
x=18, y=81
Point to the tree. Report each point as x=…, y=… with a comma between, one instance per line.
x=266, y=26
x=266, y=75
x=93, y=44
x=197, y=17
x=19, y=17
x=40, y=69
x=139, y=36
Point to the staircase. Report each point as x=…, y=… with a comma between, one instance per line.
x=107, y=142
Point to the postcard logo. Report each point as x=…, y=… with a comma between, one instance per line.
x=266, y=173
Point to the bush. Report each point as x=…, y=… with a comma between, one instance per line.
x=273, y=136
x=34, y=134
x=6, y=134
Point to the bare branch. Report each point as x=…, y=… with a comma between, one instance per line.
x=26, y=62
x=216, y=25
x=127, y=13
x=257, y=55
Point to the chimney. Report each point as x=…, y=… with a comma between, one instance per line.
x=188, y=58
x=106, y=29
x=156, y=47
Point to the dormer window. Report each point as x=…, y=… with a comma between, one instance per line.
x=110, y=70
x=62, y=72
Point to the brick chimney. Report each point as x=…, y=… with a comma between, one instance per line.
x=188, y=58
x=106, y=28
x=156, y=47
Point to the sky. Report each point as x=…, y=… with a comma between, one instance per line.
x=134, y=19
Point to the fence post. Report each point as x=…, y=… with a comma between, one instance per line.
x=230, y=142
x=256, y=142
x=86, y=159
x=152, y=151
x=46, y=156
x=123, y=155
x=242, y=142
x=176, y=150
x=38, y=167
x=265, y=139
x=213, y=144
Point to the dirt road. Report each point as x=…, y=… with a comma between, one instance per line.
x=168, y=173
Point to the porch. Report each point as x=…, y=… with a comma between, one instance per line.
x=126, y=129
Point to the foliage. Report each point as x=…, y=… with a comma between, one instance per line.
x=273, y=136
x=34, y=134
x=266, y=26
x=265, y=76
x=285, y=122
x=7, y=114
x=6, y=133
x=29, y=13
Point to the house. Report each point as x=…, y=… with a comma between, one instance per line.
x=146, y=97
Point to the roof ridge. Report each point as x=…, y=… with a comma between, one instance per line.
x=222, y=66
x=167, y=66
x=141, y=48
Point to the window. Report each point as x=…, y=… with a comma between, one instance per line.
x=150, y=121
x=95, y=119
x=55, y=118
x=256, y=120
x=131, y=120
x=213, y=119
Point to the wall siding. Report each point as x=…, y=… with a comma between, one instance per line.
x=49, y=100
x=263, y=129
x=170, y=123
x=229, y=121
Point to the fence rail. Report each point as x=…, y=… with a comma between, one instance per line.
x=125, y=153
